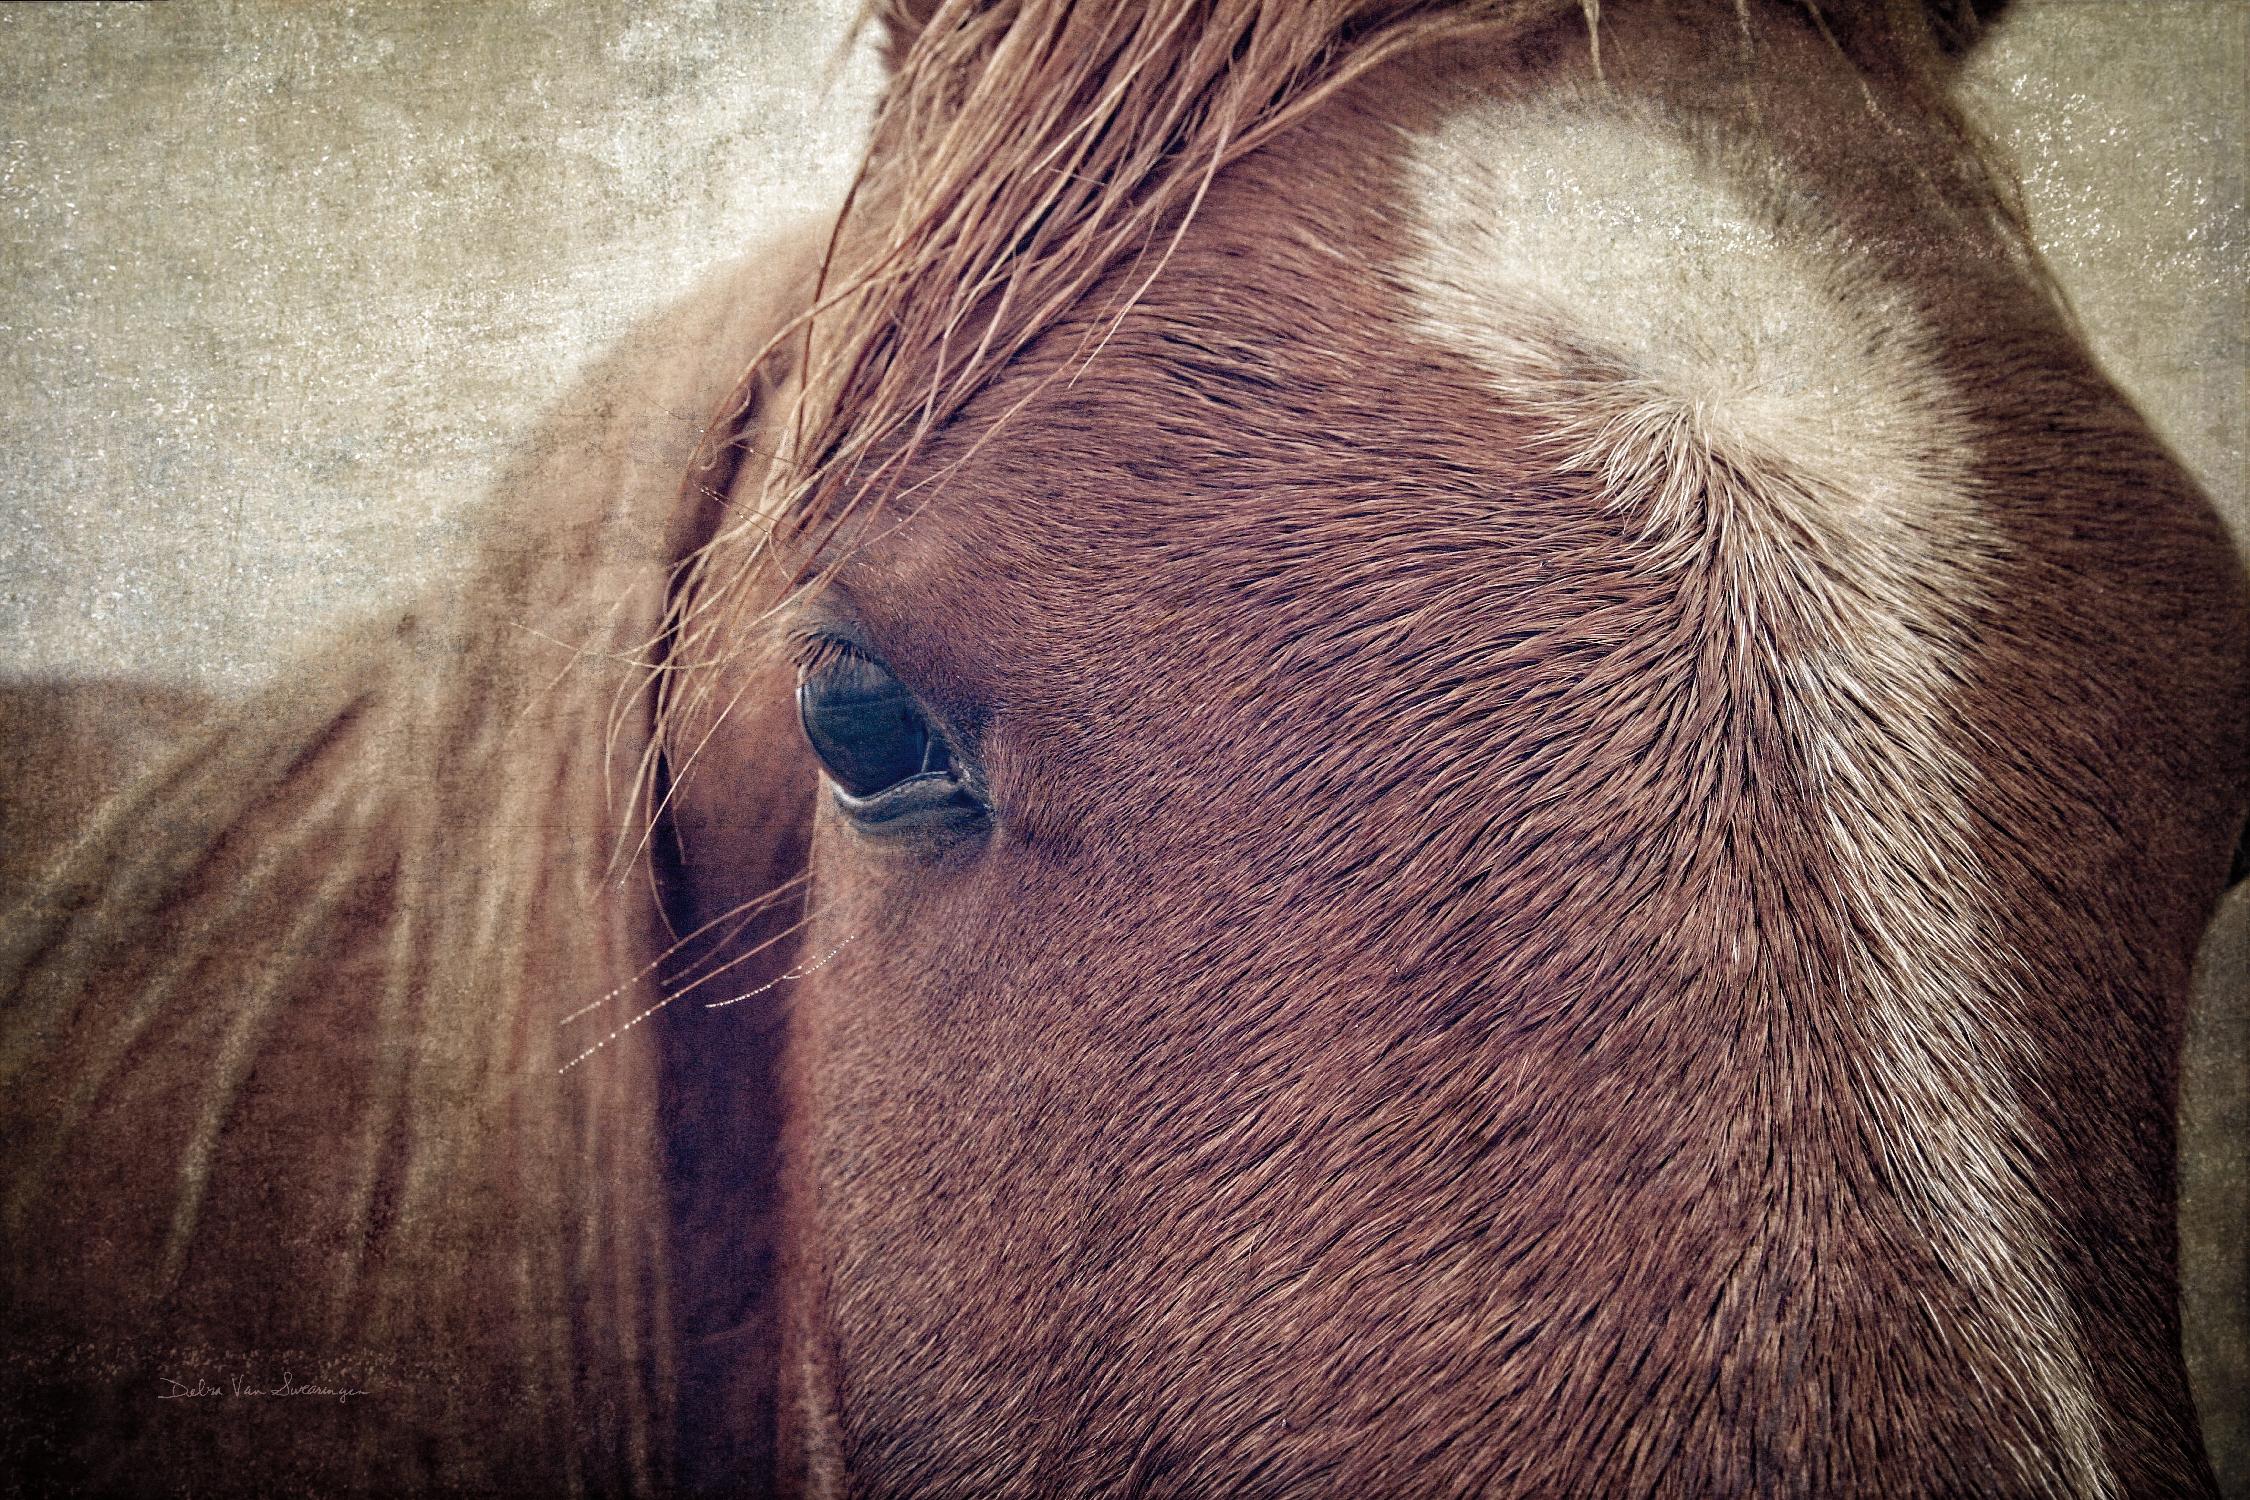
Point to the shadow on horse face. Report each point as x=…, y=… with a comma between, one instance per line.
x=1417, y=886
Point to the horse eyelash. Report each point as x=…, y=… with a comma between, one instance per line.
x=812, y=650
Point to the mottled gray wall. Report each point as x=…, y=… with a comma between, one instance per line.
x=284, y=283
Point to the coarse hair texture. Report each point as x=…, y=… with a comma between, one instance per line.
x=422, y=851
x=1024, y=152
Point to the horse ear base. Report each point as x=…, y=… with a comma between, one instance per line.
x=1894, y=33
x=1958, y=26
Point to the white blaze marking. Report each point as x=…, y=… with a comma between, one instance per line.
x=1735, y=315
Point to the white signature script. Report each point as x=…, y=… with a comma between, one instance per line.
x=241, y=1385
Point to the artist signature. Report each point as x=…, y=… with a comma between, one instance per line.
x=242, y=1385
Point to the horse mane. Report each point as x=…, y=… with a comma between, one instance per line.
x=287, y=1010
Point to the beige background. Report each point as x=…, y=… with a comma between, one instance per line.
x=284, y=284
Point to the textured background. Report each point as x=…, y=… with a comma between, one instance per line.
x=284, y=284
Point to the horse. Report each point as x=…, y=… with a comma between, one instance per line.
x=1391, y=748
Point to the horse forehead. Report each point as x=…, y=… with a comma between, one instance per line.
x=1589, y=271
x=1709, y=281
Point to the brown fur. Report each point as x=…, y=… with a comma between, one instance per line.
x=1417, y=1023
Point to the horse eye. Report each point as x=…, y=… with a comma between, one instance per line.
x=865, y=727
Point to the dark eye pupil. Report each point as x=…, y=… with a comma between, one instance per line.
x=865, y=727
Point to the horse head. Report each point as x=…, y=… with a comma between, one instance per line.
x=1391, y=749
